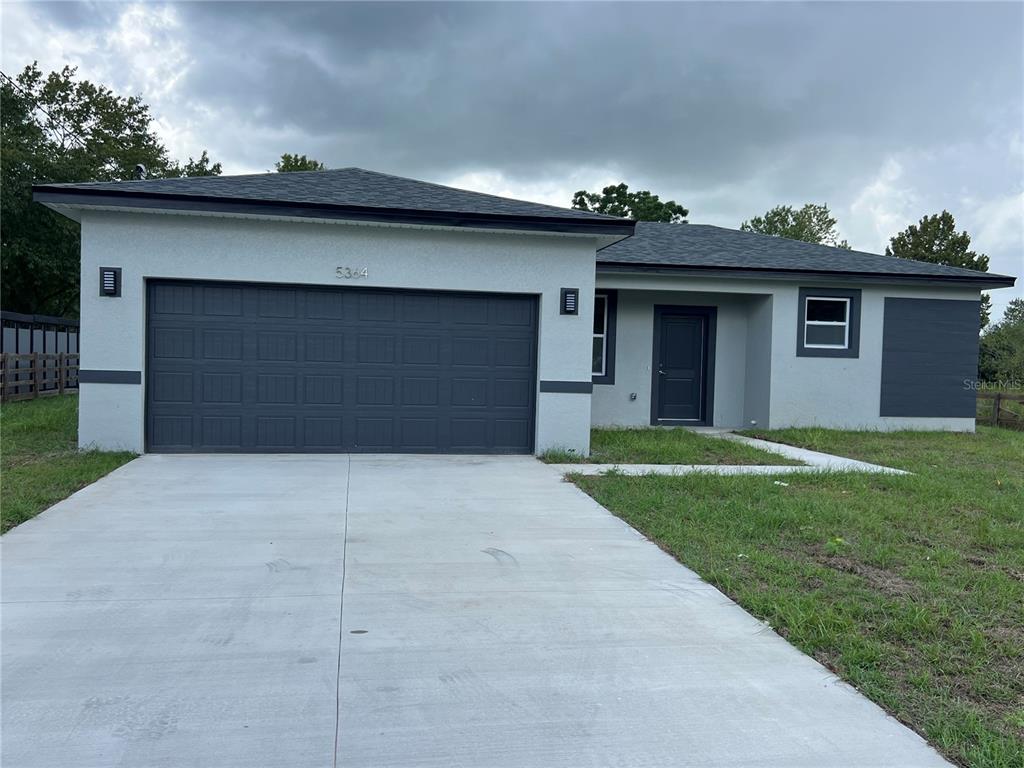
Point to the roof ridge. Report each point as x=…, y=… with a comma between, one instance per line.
x=805, y=243
x=482, y=194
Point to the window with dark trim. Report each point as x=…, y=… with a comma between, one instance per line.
x=603, y=359
x=829, y=323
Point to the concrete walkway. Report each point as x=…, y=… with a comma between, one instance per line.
x=813, y=461
x=391, y=611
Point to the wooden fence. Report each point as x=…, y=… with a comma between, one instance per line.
x=1001, y=413
x=22, y=334
x=37, y=374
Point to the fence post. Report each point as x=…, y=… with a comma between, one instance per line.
x=3, y=376
x=996, y=403
x=33, y=374
x=60, y=373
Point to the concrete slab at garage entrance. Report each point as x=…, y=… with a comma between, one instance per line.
x=391, y=611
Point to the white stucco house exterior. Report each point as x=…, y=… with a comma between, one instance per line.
x=348, y=310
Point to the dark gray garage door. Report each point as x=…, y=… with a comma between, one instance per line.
x=267, y=368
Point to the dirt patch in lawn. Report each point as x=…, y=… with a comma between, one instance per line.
x=886, y=582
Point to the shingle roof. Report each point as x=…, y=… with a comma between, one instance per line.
x=702, y=246
x=354, y=187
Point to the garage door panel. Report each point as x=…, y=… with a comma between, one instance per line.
x=421, y=350
x=325, y=305
x=322, y=431
x=172, y=387
x=276, y=303
x=222, y=300
x=171, y=299
x=324, y=347
x=513, y=353
x=469, y=310
x=421, y=309
x=276, y=346
x=324, y=389
x=221, y=344
x=275, y=432
x=419, y=390
x=221, y=432
x=235, y=367
x=173, y=343
x=276, y=388
x=374, y=348
x=222, y=388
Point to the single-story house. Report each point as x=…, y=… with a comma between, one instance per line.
x=348, y=310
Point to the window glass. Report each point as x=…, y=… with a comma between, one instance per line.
x=829, y=322
x=598, y=365
x=827, y=310
x=826, y=335
x=826, y=322
x=600, y=310
x=600, y=333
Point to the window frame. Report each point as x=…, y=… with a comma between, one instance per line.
x=845, y=322
x=610, y=311
x=852, y=299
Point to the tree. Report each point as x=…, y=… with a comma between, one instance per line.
x=1001, y=354
x=56, y=128
x=813, y=224
x=200, y=167
x=617, y=200
x=289, y=163
x=935, y=240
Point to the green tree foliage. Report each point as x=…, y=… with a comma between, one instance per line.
x=1001, y=356
x=200, y=167
x=935, y=240
x=617, y=200
x=56, y=128
x=289, y=163
x=813, y=224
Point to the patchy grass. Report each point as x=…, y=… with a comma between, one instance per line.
x=39, y=460
x=909, y=587
x=662, y=445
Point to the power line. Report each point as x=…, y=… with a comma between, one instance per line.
x=36, y=105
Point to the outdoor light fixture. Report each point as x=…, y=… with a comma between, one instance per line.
x=110, y=281
x=570, y=301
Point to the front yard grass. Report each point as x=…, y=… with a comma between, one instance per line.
x=909, y=587
x=661, y=445
x=39, y=460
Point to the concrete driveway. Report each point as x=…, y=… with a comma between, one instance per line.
x=391, y=611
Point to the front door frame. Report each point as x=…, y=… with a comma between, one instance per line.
x=710, y=315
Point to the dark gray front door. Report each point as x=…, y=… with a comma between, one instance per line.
x=272, y=368
x=681, y=381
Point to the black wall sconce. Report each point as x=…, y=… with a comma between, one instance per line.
x=110, y=281
x=570, y=301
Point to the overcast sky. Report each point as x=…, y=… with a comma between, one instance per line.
x=884, y=111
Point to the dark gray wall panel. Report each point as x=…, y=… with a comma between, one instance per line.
x=263, y=368
x=929, y=356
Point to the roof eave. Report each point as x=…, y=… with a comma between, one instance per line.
x=983, y=280
x=71, y=198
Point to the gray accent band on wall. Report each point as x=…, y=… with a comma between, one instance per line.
x=568, y=387
x=109, y=377
x=929, y=358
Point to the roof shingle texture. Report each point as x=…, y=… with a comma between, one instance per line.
x=342, y=187
x=706, y=246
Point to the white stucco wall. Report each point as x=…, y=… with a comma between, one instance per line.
x=634, y=342
x=843, y=392
x=301, y=252
x=758, y=376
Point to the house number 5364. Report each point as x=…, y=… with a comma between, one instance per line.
x=350, y=273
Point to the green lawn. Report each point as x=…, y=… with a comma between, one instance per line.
x=660, y=445
x=39, y=461
x=910, y=587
